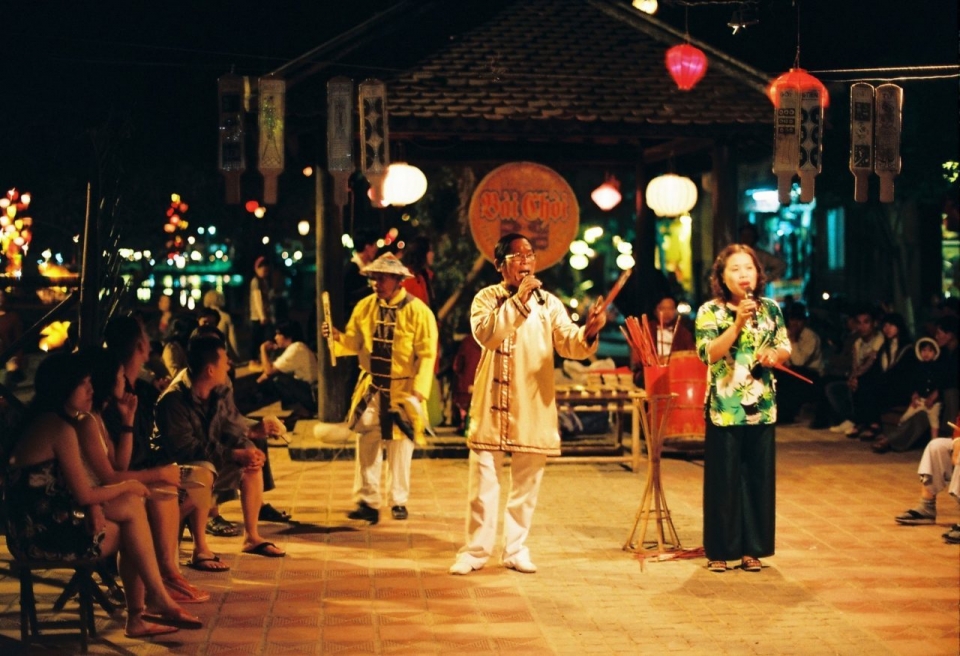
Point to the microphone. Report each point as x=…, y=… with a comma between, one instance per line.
x=537, y=293
x=750, y=295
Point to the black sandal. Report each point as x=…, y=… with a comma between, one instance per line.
x=221, y=528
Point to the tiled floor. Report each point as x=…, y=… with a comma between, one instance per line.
x=846, y=579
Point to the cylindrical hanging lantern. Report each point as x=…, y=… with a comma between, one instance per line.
x=340, y=136
x=404, y=184
x=374, y=135
x=671, y=195
x=231, y=160
x=797, y=78
x=687, y=65
x=271, y=153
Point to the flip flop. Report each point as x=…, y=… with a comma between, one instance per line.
x=184, y=593
x=151, y=630
x=209, y=564
x=178, y=618
x=263, y=549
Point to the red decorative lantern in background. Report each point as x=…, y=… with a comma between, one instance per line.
x=687, y=65
x=797, y=78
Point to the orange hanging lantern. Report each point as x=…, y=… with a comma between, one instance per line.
x=687, y=65
x=797, y=78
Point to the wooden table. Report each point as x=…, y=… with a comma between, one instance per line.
x=616, y=399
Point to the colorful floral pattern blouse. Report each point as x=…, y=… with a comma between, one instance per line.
x=734, y=396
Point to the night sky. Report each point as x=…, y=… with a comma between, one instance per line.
x=150, y=73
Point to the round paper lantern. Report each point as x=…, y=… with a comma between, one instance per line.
x=799, y=79
x=671, y=195
x=404, y=184
x=607, y=195
x=687, y=65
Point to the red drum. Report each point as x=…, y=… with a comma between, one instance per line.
x=686, y=376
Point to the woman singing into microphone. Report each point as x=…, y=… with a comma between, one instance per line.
x=740, y=337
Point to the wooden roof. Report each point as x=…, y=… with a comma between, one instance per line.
x=553, y=71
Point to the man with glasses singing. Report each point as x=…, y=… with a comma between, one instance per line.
x=514, y=409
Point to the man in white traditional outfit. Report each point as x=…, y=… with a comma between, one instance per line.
x=514, y=409
x=395, y=336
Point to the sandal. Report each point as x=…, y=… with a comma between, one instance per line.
x=221, y=528
x=869, y=434
x=750, y=564
x=211, y=563
x=270, y=514
x=880, y=446
x=182, y=592
x=717, y=565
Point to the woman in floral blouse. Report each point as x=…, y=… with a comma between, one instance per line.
x=740, y=337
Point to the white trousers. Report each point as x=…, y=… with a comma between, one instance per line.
x=483, y=504
x=369, y=465
x=937, y=472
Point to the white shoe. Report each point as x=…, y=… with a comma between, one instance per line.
x=524, y=566
x=461, y=568
x=843, y=427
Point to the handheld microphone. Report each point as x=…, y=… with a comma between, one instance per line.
x=537, y=294
x=750, y=295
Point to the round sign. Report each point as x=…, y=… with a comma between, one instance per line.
x=528, y=198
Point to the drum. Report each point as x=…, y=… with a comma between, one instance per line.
x=686, y=376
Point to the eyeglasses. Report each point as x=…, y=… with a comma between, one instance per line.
x=520, y=257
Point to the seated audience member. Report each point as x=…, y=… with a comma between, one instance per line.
x=841, y=395
x=197, y=421
x=214, y=300
x=127, y=340
x=672, y=332
x=926, y=381
x=895, y=359
x=946, y=336
x=939, y=470
x=175, y=346
x=258, y=433
x=294, y=372
x=56, y=512
x=100, y=454
x=805, y=359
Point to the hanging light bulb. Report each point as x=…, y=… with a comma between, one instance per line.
x=687, y=65
x=646, y=6
x=607, y=195
x=404, y=184
x=671, y=195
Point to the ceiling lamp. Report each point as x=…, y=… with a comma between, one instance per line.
x=797, y=78
x=404, y=184
x=671, y=195
x=687, y=65
x=646, y=6
x=607, y=195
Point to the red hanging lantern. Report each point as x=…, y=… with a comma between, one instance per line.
x=687, y=65
x=797, y=78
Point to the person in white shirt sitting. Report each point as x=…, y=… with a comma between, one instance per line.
x=293, y=373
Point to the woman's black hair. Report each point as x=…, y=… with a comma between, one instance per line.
x=718, y=286
x=58, y=375
x=896, y=319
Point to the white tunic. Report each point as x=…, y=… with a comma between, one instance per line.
x=514, y=404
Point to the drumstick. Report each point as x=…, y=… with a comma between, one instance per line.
x=325, y=300
x=792, y=373
x=617, y=286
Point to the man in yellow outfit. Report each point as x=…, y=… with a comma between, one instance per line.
x=395, y=338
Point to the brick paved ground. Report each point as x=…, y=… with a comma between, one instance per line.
x=846, y=579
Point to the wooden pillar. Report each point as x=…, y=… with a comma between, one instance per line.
x=647, y=284
x=724, y=199
x=332, y=394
